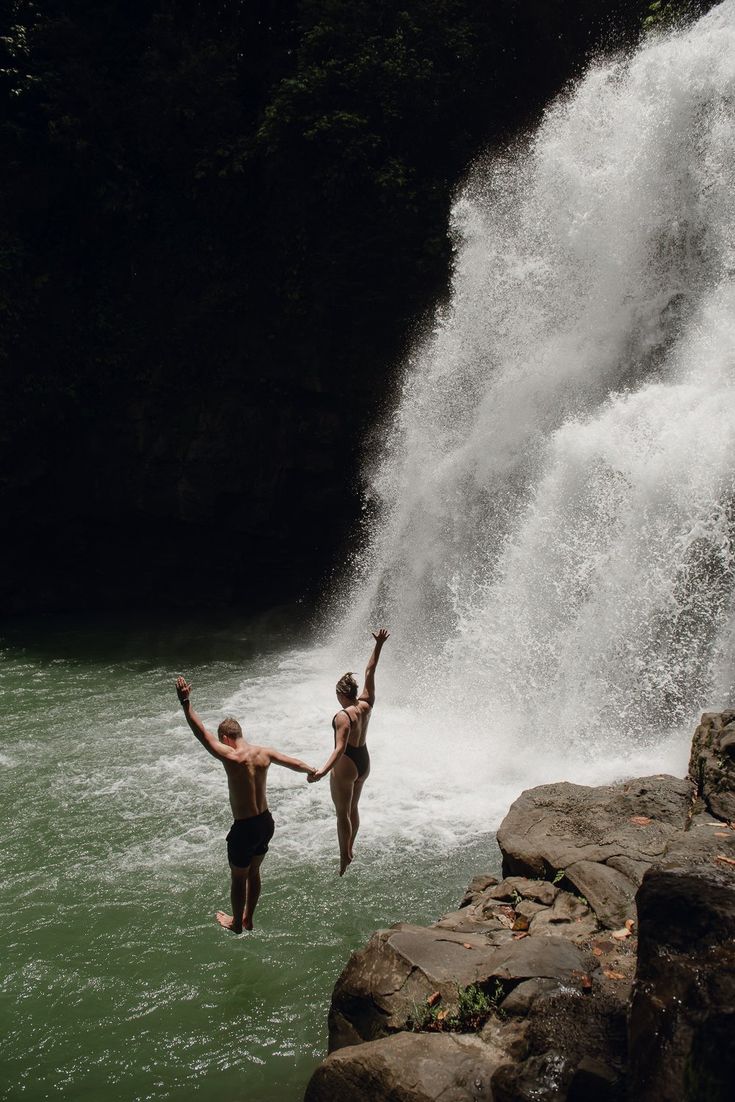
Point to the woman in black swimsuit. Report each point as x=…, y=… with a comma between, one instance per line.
x=349, y=762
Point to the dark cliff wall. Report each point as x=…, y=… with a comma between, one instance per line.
x=219, y=230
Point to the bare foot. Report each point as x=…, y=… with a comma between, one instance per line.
x=247, y=922
x=227, y=922
x=343, y=865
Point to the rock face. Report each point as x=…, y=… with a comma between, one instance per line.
x=682, y=1019
x=397, y=971
x=600, y=839
x=581, y=1008
x=712, y=762
x=409, y=1067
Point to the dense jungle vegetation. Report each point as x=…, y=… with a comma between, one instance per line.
x=220, y=226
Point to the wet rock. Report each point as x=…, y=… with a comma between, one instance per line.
x=538, y=1079
x=610, y=894
x=529, y=909
x=522, y=997
x=567, y=1032
x=682, y=1017
x=712, y=764
x=557, y=825
x=541, y=891
x=476, y=886
x=408, y=1067
x=470, y=921
x=705, y=839
x=634, y=870
x=594, y=1081
x=569, y=918
x=398, y=969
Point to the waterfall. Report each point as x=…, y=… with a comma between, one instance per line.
x=552, y=517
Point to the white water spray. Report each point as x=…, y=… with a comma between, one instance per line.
x=555, y=508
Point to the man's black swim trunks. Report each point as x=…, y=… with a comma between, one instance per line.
x=249, y=838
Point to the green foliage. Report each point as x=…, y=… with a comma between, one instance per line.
x=558, y=876
x=666, y=14
x=474, y=1007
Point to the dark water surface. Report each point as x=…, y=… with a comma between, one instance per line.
x=117, y=982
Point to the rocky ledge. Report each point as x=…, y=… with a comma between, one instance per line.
x=601, y=967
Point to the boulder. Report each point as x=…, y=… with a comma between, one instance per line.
x=408, y=1067
x=477, y=885
x=569, y=1034
x=524, y=995
x=383, y=984
x=712, y=763
x=540, y=891
x=570, y=917
x=556, y=825
x=682, y=1018
x=610, y=894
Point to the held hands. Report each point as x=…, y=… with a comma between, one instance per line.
x=315, y=775
x=182, y=690
x=380, y=636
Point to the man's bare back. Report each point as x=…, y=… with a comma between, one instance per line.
x=247, y=773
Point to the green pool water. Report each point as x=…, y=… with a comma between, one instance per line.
x=116, y=980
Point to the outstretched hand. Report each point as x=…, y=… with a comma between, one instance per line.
x=182, y=690
x=316, y=775
x=380, y=636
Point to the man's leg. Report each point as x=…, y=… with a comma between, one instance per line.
x=252, y=890
x=341, y=787
x=238, y=887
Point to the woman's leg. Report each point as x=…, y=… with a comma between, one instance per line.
x=341, y=784
x=354, y=814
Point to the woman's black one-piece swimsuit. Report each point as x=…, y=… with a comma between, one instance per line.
x=358, y=754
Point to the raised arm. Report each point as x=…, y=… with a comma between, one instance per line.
x=341, y=731
x=368, y=691
x=209, y=741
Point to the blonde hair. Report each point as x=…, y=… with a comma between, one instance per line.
x=347, y=685
x=230, y=727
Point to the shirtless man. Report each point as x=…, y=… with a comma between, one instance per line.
x=247, y=842
x=349, y=762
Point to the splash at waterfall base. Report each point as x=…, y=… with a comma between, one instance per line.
x=607, y=953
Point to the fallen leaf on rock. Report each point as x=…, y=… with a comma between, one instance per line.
x=434, y=998
x=521, y=923
x=467, y=945
x=620, y=935
x=640, y=820
x=597, y=951
x=629, y=924
x=721, y=834
x=613, y=975
x=725, y=860
x=441, y=1015
x=517, y=937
